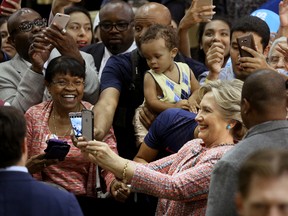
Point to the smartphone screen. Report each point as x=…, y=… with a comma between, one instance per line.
x=76, y=123
x=88, y=124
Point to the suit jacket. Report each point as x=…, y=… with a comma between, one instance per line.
x=224, y=181
x=19, y=85
x=21, y=195
x=97, y=51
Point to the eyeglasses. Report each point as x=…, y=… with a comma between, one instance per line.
x=64, y=83
x=28, y=25
x=121, y=26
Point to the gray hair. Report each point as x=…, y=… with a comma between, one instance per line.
x=274, y=44
x=227, y=94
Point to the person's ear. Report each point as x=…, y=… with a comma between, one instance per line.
x=232, y=124
x=174, y=52
x=266, y=51
x=245, y=106
x=24, y=150
x=239, y=202
x=48, y=85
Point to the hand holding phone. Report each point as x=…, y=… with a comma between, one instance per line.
x=61, y=20
x=246, y=40
x=201, y=3
x=5, y=4
x=83, y=123
x=56, y=149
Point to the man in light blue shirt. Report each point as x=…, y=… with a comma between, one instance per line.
x=240, y=67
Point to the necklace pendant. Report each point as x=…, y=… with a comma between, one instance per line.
x=52, y=136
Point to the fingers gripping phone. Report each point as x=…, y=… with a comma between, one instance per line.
x=4, y=3
x=247, y=41
x=61, y=20
x=83, y=123
x=201, y=3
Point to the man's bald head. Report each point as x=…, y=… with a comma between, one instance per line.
x=155, y=11
x=149, y=14
x=120, y=6
x=266, y=92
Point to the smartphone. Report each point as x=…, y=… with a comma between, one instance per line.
x=56, y=149
x=246, y=40
x=61, y=20
x=88, y=124
x=76, y=123
x=4, y=3
x=201, y=3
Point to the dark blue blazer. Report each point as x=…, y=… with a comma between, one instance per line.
x=21, y=195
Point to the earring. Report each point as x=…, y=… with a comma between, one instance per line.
x=228, y=127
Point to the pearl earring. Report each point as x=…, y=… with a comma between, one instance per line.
x=228, y=127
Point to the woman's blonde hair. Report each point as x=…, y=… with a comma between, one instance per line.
x=227, y=94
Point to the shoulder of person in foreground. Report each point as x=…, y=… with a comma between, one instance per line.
x=62, y=201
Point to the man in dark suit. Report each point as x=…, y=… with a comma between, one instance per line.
x=20, y=193
x=116, y=30
x=263, y=111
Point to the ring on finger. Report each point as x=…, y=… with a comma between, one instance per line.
x=63, y=31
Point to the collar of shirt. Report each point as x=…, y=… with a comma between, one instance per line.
x=15, y=168
x=107, y=55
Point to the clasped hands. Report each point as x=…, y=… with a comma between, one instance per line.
x=100, y=153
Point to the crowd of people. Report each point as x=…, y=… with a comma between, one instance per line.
x=173, y=134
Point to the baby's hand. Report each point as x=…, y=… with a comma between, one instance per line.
x=193, y=105
x=183, y=104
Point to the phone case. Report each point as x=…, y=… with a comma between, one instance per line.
x=88, y=124
x=247, y=41
x=76, y=123
x=61, y=20
x=56, y=149
x=201, y=3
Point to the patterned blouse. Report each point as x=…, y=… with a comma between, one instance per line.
x=181, y=180
x=75, y=174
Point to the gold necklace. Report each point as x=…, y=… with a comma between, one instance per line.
x=55, y=128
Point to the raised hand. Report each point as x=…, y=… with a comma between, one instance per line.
x=62, y=41
x=215, y=58
x=58, y=6
x=7, y=11
x=250, y=64
x=39, y=52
